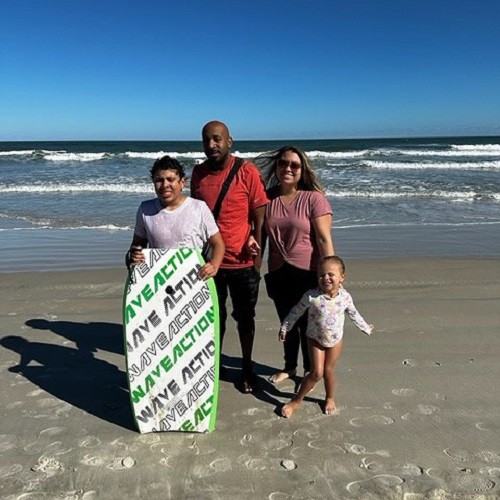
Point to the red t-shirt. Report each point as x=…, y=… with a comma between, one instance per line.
x=246, y=193
x=290, y=230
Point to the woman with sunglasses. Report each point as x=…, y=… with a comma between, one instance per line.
x=297, y=227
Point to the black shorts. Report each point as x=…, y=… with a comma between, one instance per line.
x=243, y=287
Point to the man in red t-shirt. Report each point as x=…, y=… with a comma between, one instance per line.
x=241, y=216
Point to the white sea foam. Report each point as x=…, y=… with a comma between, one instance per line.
x=17, y=153
x=477, y=147
x=338, y=154
x=483, y=165
x=78, y=188
x=447, y=195
x=437, y=152
x=102, y=227
x=159, y=154
x=423, y=224
x=63, y=156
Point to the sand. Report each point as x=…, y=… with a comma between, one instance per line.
x=419, y=400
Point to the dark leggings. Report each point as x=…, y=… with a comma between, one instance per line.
x=288, y=284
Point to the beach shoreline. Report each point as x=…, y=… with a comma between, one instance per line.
x=74, y=249
x=419, y=400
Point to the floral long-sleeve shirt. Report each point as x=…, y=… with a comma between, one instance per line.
x=326, y=316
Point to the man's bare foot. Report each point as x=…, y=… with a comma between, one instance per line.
x=330, y=408
x=249, y=382
x=290, y=408
x=280, y=376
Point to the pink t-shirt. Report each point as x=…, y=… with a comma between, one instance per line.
x=290, y=230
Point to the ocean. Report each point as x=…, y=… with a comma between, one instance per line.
x=70, y=205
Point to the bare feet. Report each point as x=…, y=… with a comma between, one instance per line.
x=249, y=383
x=290, y=408
x=280, y=376
x=330, y=408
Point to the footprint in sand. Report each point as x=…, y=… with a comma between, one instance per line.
x=407, y=393
x=383, y=486
x=56, y=448
x=10, y=470
x=461, y=455
x=257, y=464
x=358, y=449
x=53, y=431
x=489, y=457
x=49, y=466
x=422, y=413
x=399, y=470
x=149, y=438
x=117, y=443
x=371, y=420
x=94, y=460
x=270, y=444
x=89, y=442
x=34, y=447
x=308, y=433
x=463, y=480
x=325, y=445
x=217, y=466
x=50, y=408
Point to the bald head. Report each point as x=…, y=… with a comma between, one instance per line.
x=216, y=144
x=217, y=124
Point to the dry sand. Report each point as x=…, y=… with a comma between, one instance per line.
x=420, y=405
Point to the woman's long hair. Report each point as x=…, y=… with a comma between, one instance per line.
x=268, y=163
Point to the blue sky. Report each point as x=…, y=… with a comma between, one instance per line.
x=143, y=69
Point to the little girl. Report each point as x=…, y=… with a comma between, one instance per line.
x=325, y=328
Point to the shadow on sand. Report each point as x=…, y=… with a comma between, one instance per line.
x=75, y=375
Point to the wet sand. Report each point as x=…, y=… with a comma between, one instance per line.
x=419, y=401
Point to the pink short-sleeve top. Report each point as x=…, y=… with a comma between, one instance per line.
x=290, y=230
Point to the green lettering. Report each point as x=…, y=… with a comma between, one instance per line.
x=203, y=323
x=137, y=302
x=178, y=352
x=165, y=273
x=166, y=363
x=159, y=281
x=185, y=252
x=138, y=394
x=187, y=426
x=204, y=408
x=210, y=314
x=150, y=383
x=185, y=347
x=198, y=416
x=147, y=293
x=129, y=314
